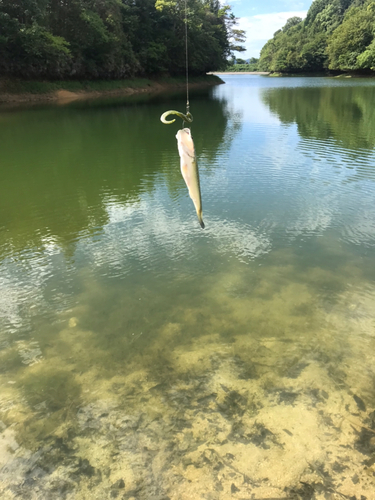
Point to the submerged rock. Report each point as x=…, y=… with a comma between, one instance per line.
x=118, y=484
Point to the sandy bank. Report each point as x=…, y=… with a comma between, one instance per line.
x=62, y=96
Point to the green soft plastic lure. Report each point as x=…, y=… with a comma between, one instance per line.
x=188, y=118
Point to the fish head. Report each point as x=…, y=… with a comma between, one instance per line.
x=182, y=133
x=185, y=141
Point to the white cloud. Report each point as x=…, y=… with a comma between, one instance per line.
x=261, y=27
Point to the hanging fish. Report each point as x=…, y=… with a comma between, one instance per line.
x=189, y=169
x=188, y=161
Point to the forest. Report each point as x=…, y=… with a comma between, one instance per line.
x=336, y=35
x=107, y=39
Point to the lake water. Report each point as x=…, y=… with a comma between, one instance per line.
x=144, y=358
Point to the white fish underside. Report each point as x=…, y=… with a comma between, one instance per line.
x=189, y=169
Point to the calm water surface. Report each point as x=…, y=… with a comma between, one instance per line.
x=144, y=358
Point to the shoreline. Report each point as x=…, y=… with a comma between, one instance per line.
x=308, y=75
x=64, y=92
x=217, y=73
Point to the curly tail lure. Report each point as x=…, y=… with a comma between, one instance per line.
x=188, y=118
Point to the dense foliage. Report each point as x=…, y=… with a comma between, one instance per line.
x=240, y=65
x=240, y=68
x=336, y=35
x=113, y=38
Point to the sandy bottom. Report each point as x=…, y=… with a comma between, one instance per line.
x=273, y=398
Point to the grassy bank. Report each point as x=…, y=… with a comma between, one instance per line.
x=31, y=90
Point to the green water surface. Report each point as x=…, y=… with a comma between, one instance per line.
x=144, y=358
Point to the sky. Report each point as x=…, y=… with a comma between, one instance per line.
x=261, y=18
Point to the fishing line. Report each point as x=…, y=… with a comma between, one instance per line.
x=188, y=117
x=187, y=61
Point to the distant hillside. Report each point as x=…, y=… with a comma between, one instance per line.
x=336, y=35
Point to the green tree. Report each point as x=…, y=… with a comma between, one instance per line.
x=114, y=38
x=366, y=60
x=292, y=21
x=26, y=47
x=235, y=37
x=350, y=39
x=336, y=34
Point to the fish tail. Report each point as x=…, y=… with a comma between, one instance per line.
x=201, y=221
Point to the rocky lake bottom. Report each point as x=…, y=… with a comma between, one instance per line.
x=271, y=398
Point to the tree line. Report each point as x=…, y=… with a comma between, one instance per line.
x=107, y=39
x=335, y=35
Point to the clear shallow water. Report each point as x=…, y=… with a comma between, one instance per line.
x=142, y=357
